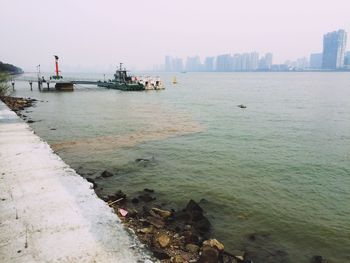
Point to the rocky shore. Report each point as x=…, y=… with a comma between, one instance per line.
x=184, y=235
x=18, y=104
x=173, y=236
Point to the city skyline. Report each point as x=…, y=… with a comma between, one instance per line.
x=92, y=36
x=333, y=57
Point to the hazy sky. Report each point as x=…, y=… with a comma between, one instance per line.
x=91, y=35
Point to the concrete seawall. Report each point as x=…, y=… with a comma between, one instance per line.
x=48, y=213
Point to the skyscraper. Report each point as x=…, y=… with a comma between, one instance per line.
x=193, y=64
x=209, y=64
x=316, y=61
x=224, y=63
x=254, y=61
x=168, y=63
x=334, y=45
x=265, y=62
x=347, y=59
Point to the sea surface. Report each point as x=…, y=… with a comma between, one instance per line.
x=273, y=178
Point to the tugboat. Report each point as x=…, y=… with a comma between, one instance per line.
x=122, y=81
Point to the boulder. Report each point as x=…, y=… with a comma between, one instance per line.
x=178, y=259
x=161, y=213
x=214, y=244
x=146, y=230
x=146, y=197
x=209, y=255
x=163, y=240
x=160, y=253
x=192, y=248
x=106, y=174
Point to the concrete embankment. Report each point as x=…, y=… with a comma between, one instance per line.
x=48, y=213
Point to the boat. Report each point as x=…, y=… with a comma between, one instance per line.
x=151, y=83
x=122, y=81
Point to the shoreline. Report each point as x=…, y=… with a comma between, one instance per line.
x=154, y=225
x=46, y=206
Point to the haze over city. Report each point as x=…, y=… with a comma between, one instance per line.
x=96, y=35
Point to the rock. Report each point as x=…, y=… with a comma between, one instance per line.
x=209, y=255
x=178, y=259
x=163, y=240
x=190, y=237
x=187, y=227
x=317, y=259
x=158, y=223
x=90, y=180
x=214, y=243
x=146, y=230
x=30, y=121
x=192, y=248
x=203, y=225
x=160, y=253
x=135, y=200
x=239, y=254
x=193, y=206
x=162, y=213
x=106, y=174
x=148, y=190
x=146, y=198
x=138, y=160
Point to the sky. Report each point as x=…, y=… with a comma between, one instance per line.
x=95, y=35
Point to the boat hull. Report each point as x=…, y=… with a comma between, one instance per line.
x=122, y=86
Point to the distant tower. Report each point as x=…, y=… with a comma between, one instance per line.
x=334, y=45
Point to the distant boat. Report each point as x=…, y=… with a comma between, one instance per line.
x=122, y=81
x=174, y=80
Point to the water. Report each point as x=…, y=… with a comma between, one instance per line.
x=279, y=168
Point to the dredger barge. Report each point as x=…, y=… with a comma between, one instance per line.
x=124, y=82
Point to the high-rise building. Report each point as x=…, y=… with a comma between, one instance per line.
x=254, y=61
x=168, y=63
x=178, y=64
x=347, y=59
x=224, y=63
x=265, y=62
x=237, y=62
x=193, y=64
x=316, y=60
x=209, y=64
x=245, y=62
x=268, y=60
x=334, y=45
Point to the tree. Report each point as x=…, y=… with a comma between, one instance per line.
x=4, y=84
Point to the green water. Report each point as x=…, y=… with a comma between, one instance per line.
x=279, y=168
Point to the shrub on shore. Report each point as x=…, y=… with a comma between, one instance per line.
x=4, y=84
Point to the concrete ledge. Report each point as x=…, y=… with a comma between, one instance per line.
x=48, y=213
